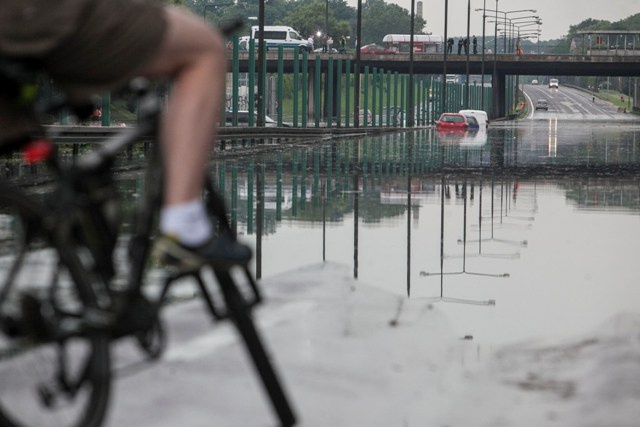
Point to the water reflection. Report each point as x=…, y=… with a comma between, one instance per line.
x=405, y=209
x=381, y=204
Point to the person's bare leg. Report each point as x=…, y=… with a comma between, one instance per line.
x=192, y=54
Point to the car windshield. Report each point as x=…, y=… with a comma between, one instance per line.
x=452, y=119
x=472, y=120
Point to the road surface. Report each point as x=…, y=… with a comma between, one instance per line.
x=566, y=103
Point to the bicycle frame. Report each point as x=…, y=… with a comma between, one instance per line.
x=127, y=319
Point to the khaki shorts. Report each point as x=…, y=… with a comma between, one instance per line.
x=86, y=46
x=83, y=41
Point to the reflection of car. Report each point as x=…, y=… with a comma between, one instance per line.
x=553, y=83
x=475, y=138
x=472, y=122
x=452, y=121
x=534, y=82
x=243, y=119
x=541, y=104
x=376, y=49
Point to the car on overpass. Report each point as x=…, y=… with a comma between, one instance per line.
x=376, y=49
x=243, y=119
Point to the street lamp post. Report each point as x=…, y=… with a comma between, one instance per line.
x=484, y=15
x=356, y=77
x=496, y=107
x=505, y=13
x=410, y=112
x=518, y=22
x=326, y=19
x=466, y=98
x=510, y=29
x=260, y=74
x=443, y=101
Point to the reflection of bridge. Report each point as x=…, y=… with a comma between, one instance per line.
x=505, y=65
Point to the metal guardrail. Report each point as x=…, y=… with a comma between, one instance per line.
x=94, y=134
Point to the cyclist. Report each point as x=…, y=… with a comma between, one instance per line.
x=90, y=46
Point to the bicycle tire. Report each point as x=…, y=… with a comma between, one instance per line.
x=30, y=365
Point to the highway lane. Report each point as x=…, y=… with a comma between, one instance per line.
x=566, y=103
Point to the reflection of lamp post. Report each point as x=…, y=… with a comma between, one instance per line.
x=441, y=297
x=464, y=242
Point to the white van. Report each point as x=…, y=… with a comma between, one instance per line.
x=480, y=115
x=452, y=78
x=280, y=35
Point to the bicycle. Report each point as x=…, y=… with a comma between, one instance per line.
x=60, y=302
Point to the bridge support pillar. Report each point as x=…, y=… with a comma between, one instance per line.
x=498, y=86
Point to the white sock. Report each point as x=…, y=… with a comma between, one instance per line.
x=188, y=222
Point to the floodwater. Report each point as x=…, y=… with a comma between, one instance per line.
x=523, y=230
x=526, y=229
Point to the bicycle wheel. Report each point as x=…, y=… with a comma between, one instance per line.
x=47, y=378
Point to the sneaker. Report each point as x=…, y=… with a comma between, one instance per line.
x=219, y=252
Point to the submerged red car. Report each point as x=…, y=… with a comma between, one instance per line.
x=452, y=121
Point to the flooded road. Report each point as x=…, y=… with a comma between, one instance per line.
x=527, y=230
x=478, y=279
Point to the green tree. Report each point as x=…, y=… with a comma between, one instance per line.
x=309, y=18
x=380, y=18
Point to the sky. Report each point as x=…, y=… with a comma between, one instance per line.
x=556, y=15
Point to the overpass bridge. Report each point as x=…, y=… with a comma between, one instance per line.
x=497, y=65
